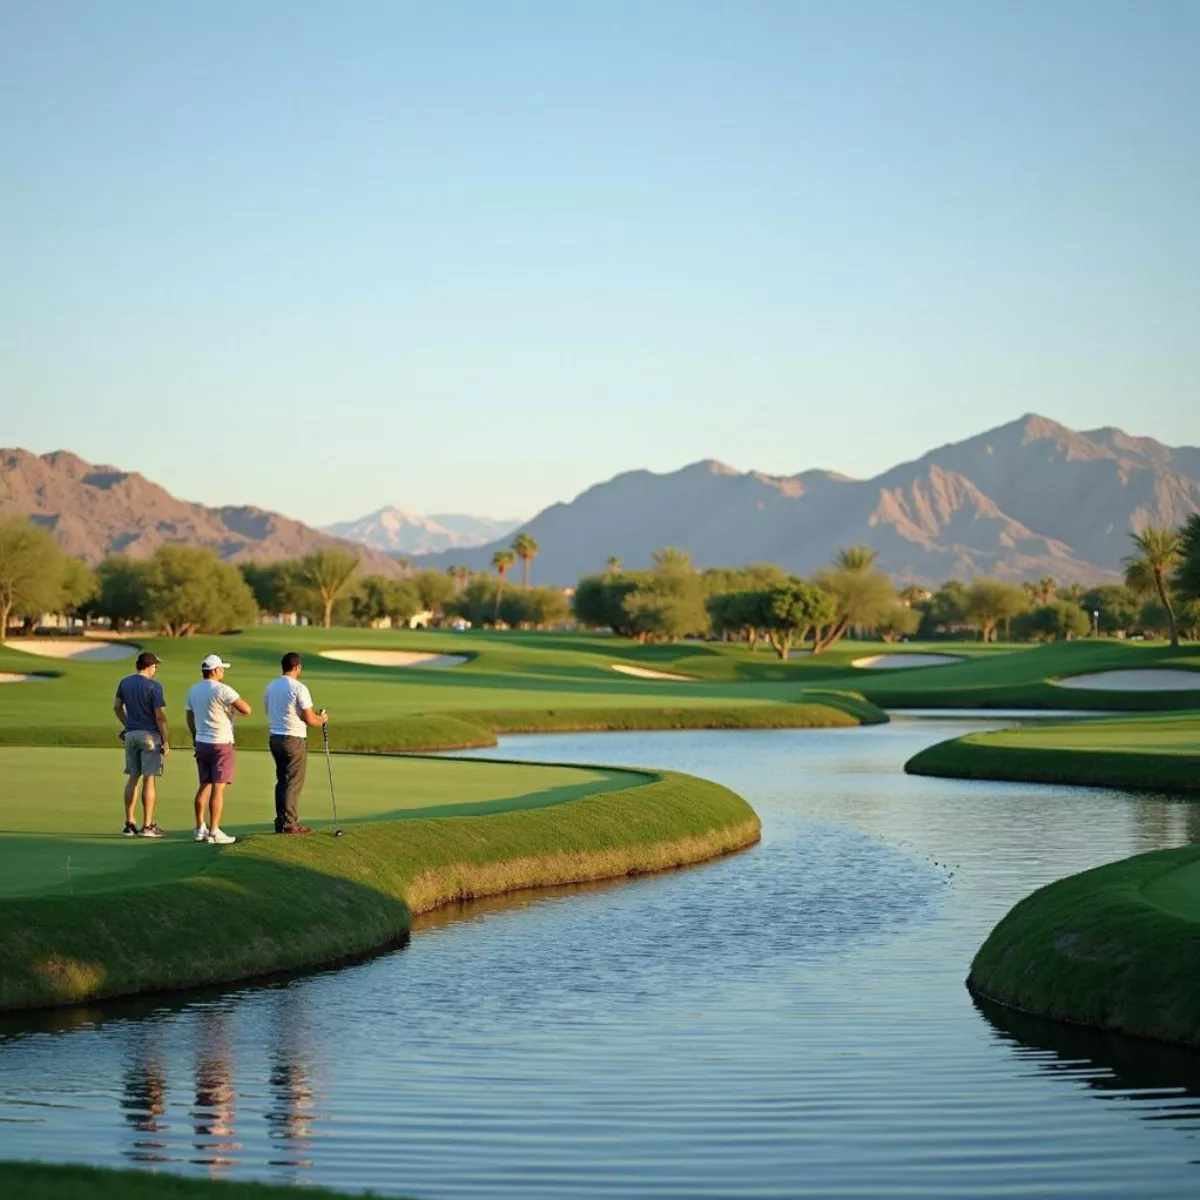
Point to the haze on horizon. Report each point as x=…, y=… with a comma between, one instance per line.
x=467, y=258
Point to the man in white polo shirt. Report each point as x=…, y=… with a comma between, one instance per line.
x=211, y=704
x=289, y=714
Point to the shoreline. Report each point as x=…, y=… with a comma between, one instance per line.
x=295, y=904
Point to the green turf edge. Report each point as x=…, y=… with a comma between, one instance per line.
x=271, y=904
x=971, y=757
x=816, y=709
x=1092, y=949
x=46, y=1181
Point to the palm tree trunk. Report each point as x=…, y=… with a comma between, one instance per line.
x=499, y=594
x=328, y=611
x=1160, y=583
x=525, y=560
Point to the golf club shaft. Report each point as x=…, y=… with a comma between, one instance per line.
x=329, y=767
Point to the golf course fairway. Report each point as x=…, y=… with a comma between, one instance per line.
x=87, y=914
x=1159, y=752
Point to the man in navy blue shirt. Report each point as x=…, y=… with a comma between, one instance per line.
x=142, y=711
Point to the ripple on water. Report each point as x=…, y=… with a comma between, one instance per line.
x=788, y=1021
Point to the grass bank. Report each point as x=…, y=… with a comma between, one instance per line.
x=1158, y=753
x=42, y=1181
x=1114, y=948
x=278, y=904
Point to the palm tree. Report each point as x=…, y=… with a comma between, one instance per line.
x=859, y=559
x=613, y=565
x=526, y=548
x=1148, y=570
x=404, y=562
x=501, y=560
x=1046, y=590
x=328, y=572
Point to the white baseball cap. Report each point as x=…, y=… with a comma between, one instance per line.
x=212, y=662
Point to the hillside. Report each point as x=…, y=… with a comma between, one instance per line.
x=98, y=510
x=1027, y=499
x=397, y=531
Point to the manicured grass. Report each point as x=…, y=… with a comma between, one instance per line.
x=1159, y=752
x=41, y=1181
x=289, y=903
x=514, y=672
x=59, y=828
x=1115, y=948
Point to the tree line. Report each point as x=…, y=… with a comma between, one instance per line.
x=184, y=590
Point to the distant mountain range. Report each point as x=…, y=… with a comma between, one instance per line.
x=397, y=531
x=99, y=510
x=1027, y=499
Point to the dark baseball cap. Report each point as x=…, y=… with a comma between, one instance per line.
x=146, y=659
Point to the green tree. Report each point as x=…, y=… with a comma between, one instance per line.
x=31, y=571
x=525, y=547
x=1149, y=571
x=378, y=597
x=434, y=590
x=793, y=611
x=1117, y=605
x=612, y=565
x=1186, y=578
x=737, y=614
x=900, y=621
x=990, y=601
x=122, y=590
x=656, y=614
x=862, y=596
x=599, y=601
x=277, y=585
x=329, y=572
x=534, y=608
x=188, y=590
x=1060, y=619
x=502, y=560
x=79, y=587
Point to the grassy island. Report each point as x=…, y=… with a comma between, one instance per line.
x=1114, y=948
x=1153, y=753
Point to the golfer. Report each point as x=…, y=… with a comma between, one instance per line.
x=142, y=711
x=211, y=704
x=289, y=714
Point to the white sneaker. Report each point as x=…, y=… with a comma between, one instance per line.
x=200, y=834
x=220, y=838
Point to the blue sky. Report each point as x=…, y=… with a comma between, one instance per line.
x=477, y=256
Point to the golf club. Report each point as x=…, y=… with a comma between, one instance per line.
x=337, y=829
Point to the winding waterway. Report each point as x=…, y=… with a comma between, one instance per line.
x=789, y=1021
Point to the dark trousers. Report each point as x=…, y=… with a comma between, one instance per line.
x=291, y=765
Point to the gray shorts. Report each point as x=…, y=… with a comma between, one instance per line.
x=143, y=753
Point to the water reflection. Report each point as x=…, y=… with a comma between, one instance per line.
x=1163, y=1081
x=144, y=1100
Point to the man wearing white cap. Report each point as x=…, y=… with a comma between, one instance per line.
x=211, y=704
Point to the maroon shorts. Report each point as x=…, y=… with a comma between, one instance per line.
x=214, y=762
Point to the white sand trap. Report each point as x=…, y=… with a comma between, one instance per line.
x=6, y=678
x=1161, y=679
x=889, y=662
x=394, y=658
x=647, y=673
x=76, y=649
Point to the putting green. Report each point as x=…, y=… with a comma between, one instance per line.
x=62, y=808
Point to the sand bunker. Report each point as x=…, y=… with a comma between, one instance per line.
x=889, y=662
x=394, y=658
x=76, y=649
x=5, y=678
x=647, y=673
x=1147, y=679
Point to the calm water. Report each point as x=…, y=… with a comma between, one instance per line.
x=790, y=1021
